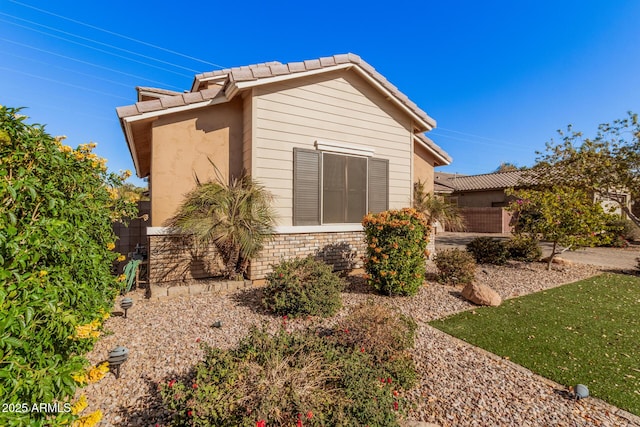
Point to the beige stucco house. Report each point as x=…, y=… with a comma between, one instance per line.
x=331, y=139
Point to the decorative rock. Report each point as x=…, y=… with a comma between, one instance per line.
x=413, y=423
x=481, y=295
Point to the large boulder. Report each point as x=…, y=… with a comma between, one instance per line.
x=481, y=295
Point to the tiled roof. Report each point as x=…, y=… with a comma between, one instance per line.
x=267, y=70
x=434, y=147
x=157, y=91
x=488, y=181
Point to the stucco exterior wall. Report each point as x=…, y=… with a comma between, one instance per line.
x=423, y=164
x=182, y=143
x=337, y=107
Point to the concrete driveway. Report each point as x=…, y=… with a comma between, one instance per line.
x=614, y=258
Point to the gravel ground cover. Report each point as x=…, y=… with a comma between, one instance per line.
x=459, y=385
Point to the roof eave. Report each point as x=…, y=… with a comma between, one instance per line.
x=445, y=161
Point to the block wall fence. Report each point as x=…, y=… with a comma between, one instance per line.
x=487, y=220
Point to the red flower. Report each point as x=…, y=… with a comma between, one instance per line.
x=389, y=380
x=299, y=423
x=261, y=423
x=395, y=406
x=189, y=413
x=395, y=392
x=361, y=349
x=171, y=383
x=285, y=317
x=197, y=339
x=346, y=331
x=194, y=385
x=309, y=414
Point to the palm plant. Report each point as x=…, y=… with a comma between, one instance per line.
x=437, y=208
x=236, y=218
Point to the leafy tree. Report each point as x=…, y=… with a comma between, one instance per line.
x=237, y=218
x=437, y=208
x=132, y=192
x=57, y=205
x=603, y=166
x=507, y=167
x=564, y=216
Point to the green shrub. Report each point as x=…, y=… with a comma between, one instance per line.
x=286, y=377
x=522, y=248
x=455, y=267
x=638, y=266
x=303, y=286
x=615, y=232
x=396, y=248
x=56, y=253
x=486, y=250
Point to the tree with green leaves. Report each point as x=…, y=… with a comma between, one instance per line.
x=235, y=217
x=607, y=165
x=57, y=205
x=437, y=208
x=564, y=216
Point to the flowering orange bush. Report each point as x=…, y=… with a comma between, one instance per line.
x=396, y=249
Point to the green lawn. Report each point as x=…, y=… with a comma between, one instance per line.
x=586, y=332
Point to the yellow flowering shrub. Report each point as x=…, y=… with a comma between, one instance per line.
x=88, y=420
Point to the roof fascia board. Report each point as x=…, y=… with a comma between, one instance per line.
x=432, y=151
x=172, y=110
x=129, y=137
x=197, y=82
x=235, y=86
x=377, y=85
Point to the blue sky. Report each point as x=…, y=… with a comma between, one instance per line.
x=500, y=77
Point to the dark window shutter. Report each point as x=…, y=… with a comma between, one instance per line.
x=306, y=187
x=378, y=185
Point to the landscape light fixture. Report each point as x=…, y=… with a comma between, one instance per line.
x=126, y=304
x=117, y=357
x=580, y=391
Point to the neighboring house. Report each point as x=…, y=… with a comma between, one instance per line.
x=443, y=183
x=330, y=138
x=482, y=198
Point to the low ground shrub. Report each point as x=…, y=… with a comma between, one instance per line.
x=486, y=250
x=523, y=248
x=299, y=378
x=638, y=266
x=455, y=267
x=376, y=329
x=396, y=249
x=303, y=286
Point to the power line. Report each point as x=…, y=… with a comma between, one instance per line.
x=93, y=76
x=475, y=136
x=93, y=41
x=96, y=49
x=511, y=147
x=57, y=108
x=63, y=83
x=117, y=34
x=89, y=63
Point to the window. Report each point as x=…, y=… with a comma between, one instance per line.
x=332, y=188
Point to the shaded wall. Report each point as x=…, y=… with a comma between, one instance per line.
x=182, y=143
x=487, y=220
x=134, y=234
